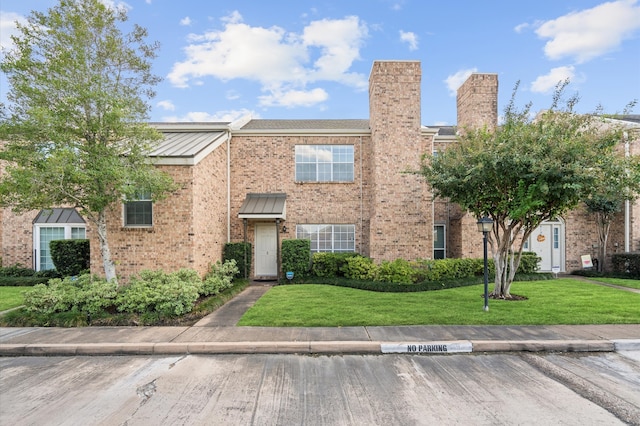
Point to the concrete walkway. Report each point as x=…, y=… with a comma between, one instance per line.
x=217, y=334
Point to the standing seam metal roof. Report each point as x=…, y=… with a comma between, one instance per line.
x=263, y=205
x=184, y=144
x=58, y=215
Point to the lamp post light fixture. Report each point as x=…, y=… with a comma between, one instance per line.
x=485, y=224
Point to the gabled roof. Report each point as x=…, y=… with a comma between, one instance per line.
x=188, y=143
x=58, y=215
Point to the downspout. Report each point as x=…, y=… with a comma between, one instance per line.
x=229, y=190
x=244, y=226
x=278, y=251
x=627, y=209
x=361, y=199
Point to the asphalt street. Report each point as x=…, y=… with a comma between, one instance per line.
x=283, y=389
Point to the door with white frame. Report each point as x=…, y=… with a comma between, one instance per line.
x=547, y=241
x=266, y=250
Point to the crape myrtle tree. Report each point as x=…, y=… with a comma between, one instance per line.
x=620, y=182
x=528, y=170
x=74, y=124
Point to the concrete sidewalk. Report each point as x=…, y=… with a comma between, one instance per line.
x=217, y=334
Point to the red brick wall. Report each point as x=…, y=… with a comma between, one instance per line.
x=401, y=208
x=17, y=238
x=266, y=164
x=477, y=101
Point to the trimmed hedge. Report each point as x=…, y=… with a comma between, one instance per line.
x=626, y=264
x=18, y=275
x=356, y=267
x=296, y=258
x=325, y=264
x=386, y=287
x=238, y=252
x=70, y=257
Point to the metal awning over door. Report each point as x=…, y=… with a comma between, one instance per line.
x=264, y=206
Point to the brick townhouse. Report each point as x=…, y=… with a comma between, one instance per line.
x=341, y=183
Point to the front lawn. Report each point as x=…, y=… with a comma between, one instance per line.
x=618, y=281
x=560, y=301
x=11, y=297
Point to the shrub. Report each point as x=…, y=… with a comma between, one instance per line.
x=528, y=263
x=168, y=294
x=359, y=268
x=16, y=270
x=219, y=277
x=398, y=271
x=17, y=275
x=329, y=265
x=238, y=252
x=86, y=294
x=626, y=264
x=70, y=257
x=449, y=269
x=296, y=257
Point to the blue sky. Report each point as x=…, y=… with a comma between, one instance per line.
x=311, y=59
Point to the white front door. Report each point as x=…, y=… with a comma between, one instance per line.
x=266, y=250
x=547, y=242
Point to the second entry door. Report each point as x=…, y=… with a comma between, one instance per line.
x=266, y=253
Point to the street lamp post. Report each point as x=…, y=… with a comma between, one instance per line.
x=484, y=225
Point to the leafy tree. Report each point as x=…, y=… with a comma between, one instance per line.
x=74, y=125
x=620, y=181
x=526, y=171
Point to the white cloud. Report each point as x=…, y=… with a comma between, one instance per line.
x=186, y=21
x=294, y=98
x=280, y=61
x=590, y=33
x=117, y=5
x=547, y=83
x=8, y=28
x=409, y=38
x=454, y=81
x=203, y=117
x=166, y=105
x=521, y=27
x=232, y=95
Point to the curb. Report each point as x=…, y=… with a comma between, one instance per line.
x=627, y=345
x=318, y=347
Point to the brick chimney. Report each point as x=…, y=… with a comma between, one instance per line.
x=401, y=224
x=477, y=101
x=477, y=105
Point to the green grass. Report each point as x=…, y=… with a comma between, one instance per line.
x=561, y=301
x=618, y=281
x=11, y=297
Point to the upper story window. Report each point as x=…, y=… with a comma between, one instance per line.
x=324, y=163
x=139, y=210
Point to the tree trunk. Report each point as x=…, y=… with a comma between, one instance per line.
x=603, y=224
x=506, y=262
x=108, y=264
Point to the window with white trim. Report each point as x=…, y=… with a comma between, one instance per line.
x=138, y=212
x=45, y=233
x=324, y=163
x=439, y=242
x=328, y=238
